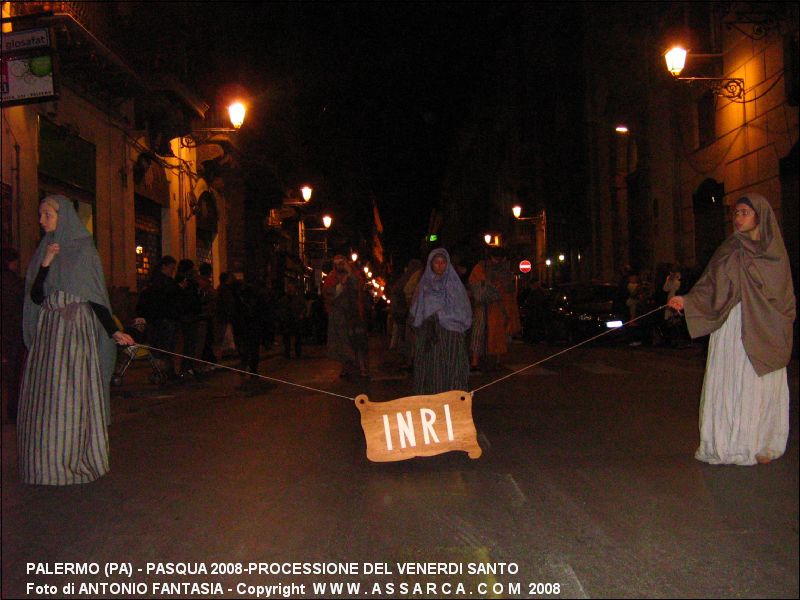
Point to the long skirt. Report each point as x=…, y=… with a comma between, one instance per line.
x=440, y=364
x=61, y=430
x=742, y=415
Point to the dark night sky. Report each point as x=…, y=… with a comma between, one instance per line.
x=368, y=95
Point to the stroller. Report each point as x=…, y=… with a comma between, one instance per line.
x=128, y=354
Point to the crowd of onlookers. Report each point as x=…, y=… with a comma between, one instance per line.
x=185, y=311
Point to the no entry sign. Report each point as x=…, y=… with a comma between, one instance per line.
x=525, y=266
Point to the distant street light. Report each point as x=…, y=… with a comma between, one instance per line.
x=354, y=256
x=326, y=221
x=306, y=191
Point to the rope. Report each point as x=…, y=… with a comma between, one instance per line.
x=305, y=387
x=566, y=350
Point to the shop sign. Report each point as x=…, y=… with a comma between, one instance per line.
x=26, y=68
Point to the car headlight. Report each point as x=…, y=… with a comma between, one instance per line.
x=613, y=324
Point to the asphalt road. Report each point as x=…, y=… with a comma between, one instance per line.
x=587, y=487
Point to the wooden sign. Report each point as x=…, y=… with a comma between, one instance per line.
x=418, y=426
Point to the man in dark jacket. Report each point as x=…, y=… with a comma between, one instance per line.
x=159, y=306
x=189, y=316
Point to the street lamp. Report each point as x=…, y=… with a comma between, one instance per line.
x=726, y=87
x=326, y=221
x=306, y=191
x=354, y=256
x=199, y=137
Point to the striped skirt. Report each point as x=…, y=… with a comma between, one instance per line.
x=61, y=428
x=440, y=360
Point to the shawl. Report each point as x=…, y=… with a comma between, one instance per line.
x=443, y=296
x=76, y=269
x=757, y=274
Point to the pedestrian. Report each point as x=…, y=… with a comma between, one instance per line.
x=292, y=311
x=13, y=346
x=745, y=300
x=249, y=321
x=159, y=305
x=440, y=314
x=208, y=310
x=399, y=311
x=223, y=320
x=189, y=315
x=347, y=330
x=64, y=405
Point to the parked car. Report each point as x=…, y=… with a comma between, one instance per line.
x=574, y=312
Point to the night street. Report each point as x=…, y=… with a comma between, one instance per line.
x=587, y=487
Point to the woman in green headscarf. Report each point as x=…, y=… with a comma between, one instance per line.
x=745, y=300
x=70, y=334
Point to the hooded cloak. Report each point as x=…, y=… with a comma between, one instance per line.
x=757, y=274
x=76, y=269
x=443, y=296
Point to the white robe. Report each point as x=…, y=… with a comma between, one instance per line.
x=741, y=414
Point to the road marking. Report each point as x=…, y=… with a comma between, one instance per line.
x=567, y=575
x=518, y=498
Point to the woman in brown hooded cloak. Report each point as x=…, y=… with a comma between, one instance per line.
x=745, y=300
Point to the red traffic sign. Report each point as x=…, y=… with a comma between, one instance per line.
x=525, y=266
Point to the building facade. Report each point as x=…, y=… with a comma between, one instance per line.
x=119, y=146
x=661, y=193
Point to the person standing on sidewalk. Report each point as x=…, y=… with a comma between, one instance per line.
x=441, y=315
x=159, y=306
x=64, y=407
x=745, y=300
x=189, y=315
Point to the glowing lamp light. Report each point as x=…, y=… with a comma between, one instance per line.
x=676, y=59
x=306, y=191
x=139, y=250
x=326, y=221
x=516, y=210
x=487, y=238
x=236, y=112
x=366, y=269
x=354, y=256
x=561, y=257
x=621, y=129
x=548, y=262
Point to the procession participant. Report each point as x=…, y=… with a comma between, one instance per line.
x=347, y=329
x=441, y=315
x=64, y=406
x=745, y=300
